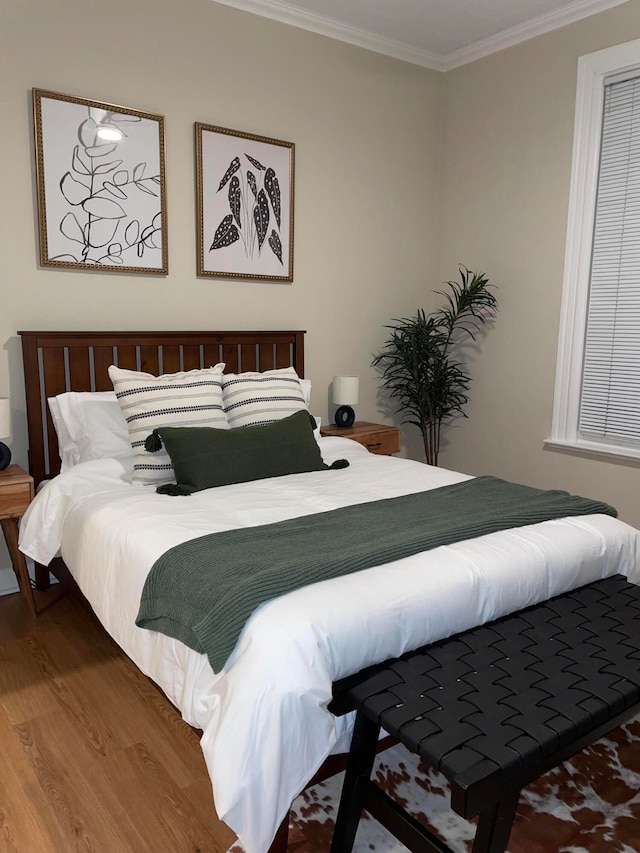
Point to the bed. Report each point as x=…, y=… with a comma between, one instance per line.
x=266, y=727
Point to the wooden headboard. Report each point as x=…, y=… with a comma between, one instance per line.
x=55, y=362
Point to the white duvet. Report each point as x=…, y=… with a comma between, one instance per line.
x=266, y=728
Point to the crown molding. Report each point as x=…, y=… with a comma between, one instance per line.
x=523, y=32
x=286, y=13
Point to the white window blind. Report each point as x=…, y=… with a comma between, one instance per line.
x=610, y=391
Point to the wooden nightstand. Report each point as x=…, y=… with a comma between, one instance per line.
x=377, y=438
x=16, y=493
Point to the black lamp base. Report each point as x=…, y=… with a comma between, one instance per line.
x=5, y=456
x=345, y=416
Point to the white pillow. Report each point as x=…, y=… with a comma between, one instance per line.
x=89, y=426
x=305, y=384
x=261, y=398
x=192, y=398
x=67, y=448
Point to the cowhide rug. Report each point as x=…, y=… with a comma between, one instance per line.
x=590, y=804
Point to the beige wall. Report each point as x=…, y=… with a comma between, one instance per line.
x=365, y=129
x=506, y=163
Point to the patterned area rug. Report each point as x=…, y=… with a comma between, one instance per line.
x=590, y=804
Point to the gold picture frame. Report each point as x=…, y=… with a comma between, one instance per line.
x=101, y=185
x=244, y=205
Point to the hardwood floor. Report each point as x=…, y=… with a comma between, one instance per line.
x=93, y=757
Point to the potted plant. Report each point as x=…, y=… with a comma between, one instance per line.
x=420, y=362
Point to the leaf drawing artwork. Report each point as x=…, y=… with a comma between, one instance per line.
x=226, y=233
x=100, y=185
x=234, y=199
x=261, y=217
x=245, y=204
x=272, y=185
x=276, y=245
x=233, y=168
x=254, y=230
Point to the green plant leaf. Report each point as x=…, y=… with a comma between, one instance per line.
x=420, y=365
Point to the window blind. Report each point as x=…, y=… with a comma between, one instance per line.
x=610, y=392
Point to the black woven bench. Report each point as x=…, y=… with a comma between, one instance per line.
x=494, y=708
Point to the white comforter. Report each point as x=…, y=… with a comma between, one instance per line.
x=265, y=726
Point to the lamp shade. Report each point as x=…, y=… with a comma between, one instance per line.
x=346, y=390
x=5, y=417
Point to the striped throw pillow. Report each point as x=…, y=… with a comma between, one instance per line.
x=191, y=398
x=251, y=399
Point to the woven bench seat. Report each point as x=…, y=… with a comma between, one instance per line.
x=493, y=708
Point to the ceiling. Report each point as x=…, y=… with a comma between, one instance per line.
x=438, y=34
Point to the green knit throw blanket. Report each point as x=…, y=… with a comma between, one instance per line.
x=203, y=591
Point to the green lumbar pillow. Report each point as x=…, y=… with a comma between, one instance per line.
x=204, y=457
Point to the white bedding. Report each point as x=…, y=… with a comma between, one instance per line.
x=265, y=726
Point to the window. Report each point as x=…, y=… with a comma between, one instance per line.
x=597, y=394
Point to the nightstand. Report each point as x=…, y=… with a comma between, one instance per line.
x=16, y=493
x=377, y=438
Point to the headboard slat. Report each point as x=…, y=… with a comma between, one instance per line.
x=265, y=357
x=248, y=357
x=191, y=357
x=230, y=358
x=171, y=359
x=211, y=354
x=55, y=362
x=283, y=356
x=53, y=371
x=79, y=369
x=127, y=357
x=102, y=359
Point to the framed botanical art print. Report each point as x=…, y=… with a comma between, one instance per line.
x=244, y=188
x=100, y=173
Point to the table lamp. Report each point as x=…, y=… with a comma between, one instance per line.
x=346, y=393
x=5, y=431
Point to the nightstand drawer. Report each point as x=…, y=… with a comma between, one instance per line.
x=15, y=498
x=383, y=439
x=384, y=442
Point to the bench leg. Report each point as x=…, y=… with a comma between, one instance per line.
x=494, y=825
x=359, y=766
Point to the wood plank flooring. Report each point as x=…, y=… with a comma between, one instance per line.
x=93, y=757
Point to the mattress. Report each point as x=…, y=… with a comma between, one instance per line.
x=264, y=718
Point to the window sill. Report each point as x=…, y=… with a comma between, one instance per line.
x=592, y=450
